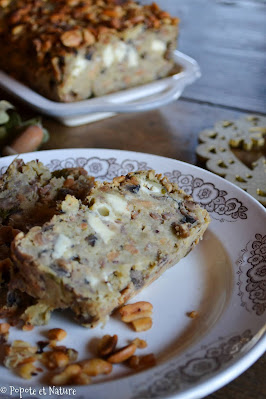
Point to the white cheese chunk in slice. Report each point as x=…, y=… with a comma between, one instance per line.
x=100, y=228
x=62, y=244
x=158, y=46
x=120, y=51
x=78, y=66
x=93, y=281
x=132, y=57
x=118, y=204
x=108, y=56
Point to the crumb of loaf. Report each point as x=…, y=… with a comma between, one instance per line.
x=193, y=314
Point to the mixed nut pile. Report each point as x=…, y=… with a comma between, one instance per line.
x=61, y=361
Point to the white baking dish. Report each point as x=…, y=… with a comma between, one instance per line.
x=137, y=99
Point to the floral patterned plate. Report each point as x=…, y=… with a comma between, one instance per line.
x=223, y=279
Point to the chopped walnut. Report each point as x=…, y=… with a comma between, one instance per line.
x=107, y=345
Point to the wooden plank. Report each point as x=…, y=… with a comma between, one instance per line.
x=227, y=38
x=170, y=131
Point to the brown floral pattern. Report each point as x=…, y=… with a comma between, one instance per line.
x=208, y=360
x=210, y=197
x=252, y=280
x=99, y=168
x=206, y=194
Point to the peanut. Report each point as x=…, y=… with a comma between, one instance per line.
x=27, y=327
x=27, y=370
x=135, y=311
x=122, y=354
x=142, y=324
x=93, y=367
x=4, y=328
x=81, y=379
x=67, y=375
x=140, y=343
x=57, y=334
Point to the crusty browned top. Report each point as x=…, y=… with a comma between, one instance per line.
x=57, y=27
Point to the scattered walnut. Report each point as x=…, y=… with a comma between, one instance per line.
x=60, y=356
x=20, y=357
x=55, y=359
x=107, y=345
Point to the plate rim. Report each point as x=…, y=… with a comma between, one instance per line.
x=187, y=164
x=238, y=364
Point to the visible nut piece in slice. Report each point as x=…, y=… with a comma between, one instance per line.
x=135, y=311
x=122, y=354
x=142, y=324
x=107, y=345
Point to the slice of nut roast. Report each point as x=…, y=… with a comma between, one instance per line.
x=92, y=258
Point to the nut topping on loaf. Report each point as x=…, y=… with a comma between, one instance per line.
x=92, y=258
x=72, y=50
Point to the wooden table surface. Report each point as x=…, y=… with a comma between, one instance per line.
x=227, y=38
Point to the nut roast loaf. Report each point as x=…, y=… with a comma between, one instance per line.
x=71, y=50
